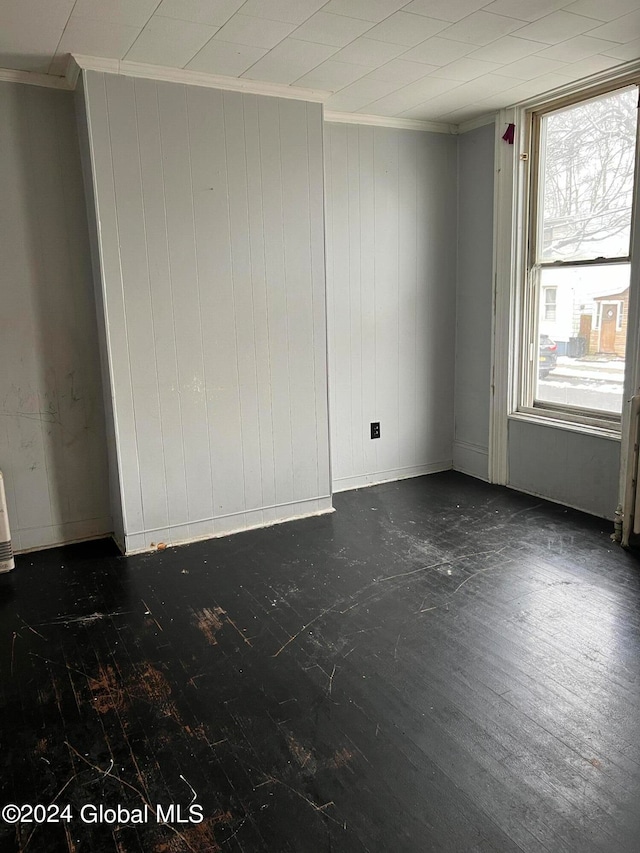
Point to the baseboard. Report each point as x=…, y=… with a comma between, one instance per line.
x=54, y=535
x=471, y=459
x=344, y=484
x=559, y=502
x=226, y=525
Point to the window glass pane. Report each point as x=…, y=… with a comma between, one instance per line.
x=581, y=345
x=587, y=157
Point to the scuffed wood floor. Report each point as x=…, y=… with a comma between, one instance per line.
x=441, y=665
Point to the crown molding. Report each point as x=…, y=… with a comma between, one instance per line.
x=10, y=75
x=389, y=121
x=79, y=63
x=623, y=73
x=472, y=124
x=72, y=72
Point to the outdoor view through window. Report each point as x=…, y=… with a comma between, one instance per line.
x=581, y=267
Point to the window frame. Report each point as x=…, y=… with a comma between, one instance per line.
x=528, y=286
x=509, y=199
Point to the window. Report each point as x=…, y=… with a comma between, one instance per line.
x=550, y=294
x=576, y=289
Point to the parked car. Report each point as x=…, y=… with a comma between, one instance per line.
x=547, y=356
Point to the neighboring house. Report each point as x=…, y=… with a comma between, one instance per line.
x=591, y=304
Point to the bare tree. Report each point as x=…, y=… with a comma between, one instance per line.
x=588, y=159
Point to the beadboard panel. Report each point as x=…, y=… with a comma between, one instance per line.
x=212, y=273
x=391, y=278
x=570, y=468
x=474, y=300
x=52, y=439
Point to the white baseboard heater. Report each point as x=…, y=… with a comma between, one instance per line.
x=6, y=549
x=631, y=500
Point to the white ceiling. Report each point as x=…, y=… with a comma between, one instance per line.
x=442, y=60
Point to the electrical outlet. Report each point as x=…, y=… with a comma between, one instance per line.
x=375, y=429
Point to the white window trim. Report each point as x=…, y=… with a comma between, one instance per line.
x=510, y=204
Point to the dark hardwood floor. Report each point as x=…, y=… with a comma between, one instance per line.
x=440, y=665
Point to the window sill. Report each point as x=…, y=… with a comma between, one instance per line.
x=554, y=421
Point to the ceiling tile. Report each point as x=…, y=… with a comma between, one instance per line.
x=401, y=71
x=133, y=12
x=532, y=66
x=28, y=48
x=428, y=111
x=506, y=49
x=35, y=14
x=602, y=11
x=459, y=116
x=624, y=52
x=358, y=94
x=384, y=107
x=590, y=65
x=289, y=60
x=472, y=91
x=325, y=28
x=405, y=29
x=165, y=41
x=557, y=27
x=410, y=96
x=438, y=51
x=215, y=13
x=332, y=75
x=364, y=51
x=575, y=49
x=466, y=69
x=496, y=101
x=537, y=86
x=436, y=106
x=225, y=59
x=255, y=32
x=366, y=10
x=445, y=10
x=469, y=97
x=97, y=38
x=525, y=10
x=481, y=28
x=290, y=11
x=495, y=83
x=622, y=30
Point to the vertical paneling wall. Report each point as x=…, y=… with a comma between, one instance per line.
x=474, y=300
x=391, y=278
x=52, y=442
x=567, y=467
x=210, y=211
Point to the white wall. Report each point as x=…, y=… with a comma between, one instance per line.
x=391, y=243
x=52, y=443
x=210, y=212
x=567, y=467
x=474, y=299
